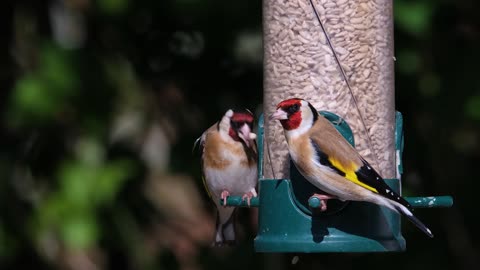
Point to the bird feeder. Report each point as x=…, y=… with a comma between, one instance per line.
x=290, y=220
x=339, y=56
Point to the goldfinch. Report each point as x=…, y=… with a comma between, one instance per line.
x=329, y=162
x=229, y=165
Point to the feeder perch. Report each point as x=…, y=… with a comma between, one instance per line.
x=290, y=221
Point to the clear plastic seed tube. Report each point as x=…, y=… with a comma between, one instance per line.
x=298, y=62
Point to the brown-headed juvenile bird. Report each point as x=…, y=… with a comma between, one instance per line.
x=229, y=165
x=329, y=162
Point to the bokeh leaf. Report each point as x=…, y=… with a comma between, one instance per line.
x=77, y=181
x=40, y=95
x=472, y=107
x=112, y=7
x=57, y=69
x=413, y=16
x=31, y=97
x=80, y=230
x=110, y=180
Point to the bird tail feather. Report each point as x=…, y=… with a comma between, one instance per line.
x=225, y=228
x=409, y=215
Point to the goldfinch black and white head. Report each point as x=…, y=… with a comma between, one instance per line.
x=241, y=127
x=296, y=115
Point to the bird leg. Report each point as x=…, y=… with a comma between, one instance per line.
x=224, y=196
x=323, y=200
x=249, y=195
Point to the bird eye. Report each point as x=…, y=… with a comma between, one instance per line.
x=236, y=124
x=294, y=108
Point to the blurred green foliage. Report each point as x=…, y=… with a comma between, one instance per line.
x=85, y=185
x=472, y=108
x=414, y=17
x=112, y=7
x=40, y=95
x=90, y=129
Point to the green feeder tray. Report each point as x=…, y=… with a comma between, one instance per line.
x=290, y=221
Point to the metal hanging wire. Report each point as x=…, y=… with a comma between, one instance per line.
x=344, y=75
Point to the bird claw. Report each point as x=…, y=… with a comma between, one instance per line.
x=224, y=196
x=323, y=205
x=248, y=196
x=323, y=200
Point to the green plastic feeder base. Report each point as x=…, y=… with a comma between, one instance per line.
x=360, y=227
x=290, y=220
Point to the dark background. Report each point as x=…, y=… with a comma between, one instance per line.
x=102, y=100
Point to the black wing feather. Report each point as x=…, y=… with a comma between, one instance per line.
x=365, y=174
x=322, y=158
x=370, y=177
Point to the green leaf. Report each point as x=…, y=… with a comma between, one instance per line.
x=31, y=97
x=80, y=231
x=111, y=178
x=52, y=212
x=40, y=95
x=472, y=107
x=112, y=7
x=413, y=17
x=87, y=186
x=77, y=184
x=57, y=70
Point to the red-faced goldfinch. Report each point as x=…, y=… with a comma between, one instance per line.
x=330, y=163
x=229, y=164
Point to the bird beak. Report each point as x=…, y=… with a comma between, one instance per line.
x=278, y=115
x=244, y=134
